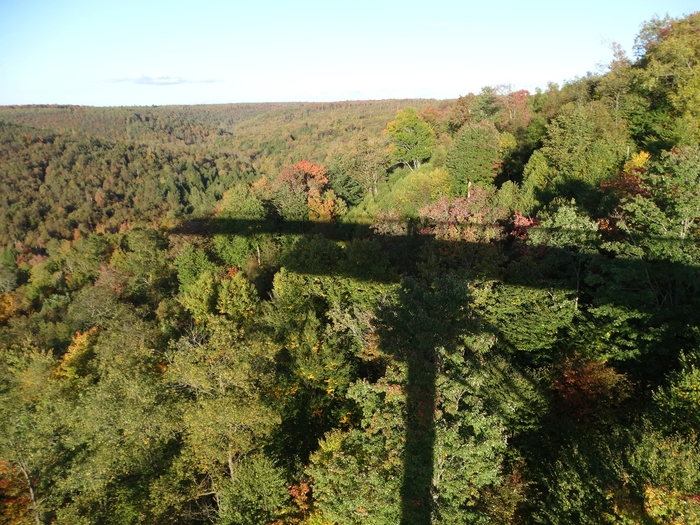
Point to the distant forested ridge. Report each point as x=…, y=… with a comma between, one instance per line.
x=481, y=310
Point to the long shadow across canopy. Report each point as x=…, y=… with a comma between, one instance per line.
x=670, y=283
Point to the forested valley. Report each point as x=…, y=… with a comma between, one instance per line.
x=470, y=311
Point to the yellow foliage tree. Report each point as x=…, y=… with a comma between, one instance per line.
x=75, y=361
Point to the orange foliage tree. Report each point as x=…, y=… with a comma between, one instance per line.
x=14, y=500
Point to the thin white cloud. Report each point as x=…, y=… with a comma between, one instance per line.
x=159, y=80
x=162, y=80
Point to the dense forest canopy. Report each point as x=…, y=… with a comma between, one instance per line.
x=482, y=310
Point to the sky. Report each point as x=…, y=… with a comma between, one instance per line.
x=109, y=53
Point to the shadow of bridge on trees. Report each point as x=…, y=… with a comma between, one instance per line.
x=429, y=313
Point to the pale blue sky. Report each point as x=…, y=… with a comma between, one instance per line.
x=103, y=52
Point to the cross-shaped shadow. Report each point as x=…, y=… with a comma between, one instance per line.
x=668, y=283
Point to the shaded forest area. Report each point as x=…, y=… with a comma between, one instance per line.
x=482, y=310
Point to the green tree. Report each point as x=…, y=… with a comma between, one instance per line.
x=668, y=76
x=8, y=279
x=255, y=495
x=358, y=475
x=122, y=425
x=411, y=139
x=583, y=147
x=27, y=439
x=224, y=380
x=191, y=263
x=615, y=86
x=146, y=260
x=473, y=157
x=365, y=160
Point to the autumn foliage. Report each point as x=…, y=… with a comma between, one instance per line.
x=588, y=389
x=468, y=218
x=503, y=327
x=303, y=176
x=14, y=499
x=628, y=183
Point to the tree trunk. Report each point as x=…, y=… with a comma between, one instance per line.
x=32, y=495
